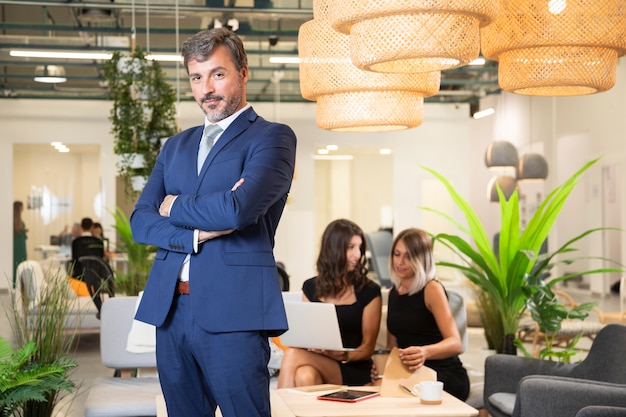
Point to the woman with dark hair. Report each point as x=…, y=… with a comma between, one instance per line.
x=19, y=237
x=342, y=280
x=419, y=319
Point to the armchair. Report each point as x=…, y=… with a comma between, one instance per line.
x=511, y=381
x=379, y=244
x=601, y=411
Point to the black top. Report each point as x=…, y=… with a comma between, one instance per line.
x=412, y=324
x=350, y=318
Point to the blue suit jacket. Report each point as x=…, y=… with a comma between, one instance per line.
x=233, y=278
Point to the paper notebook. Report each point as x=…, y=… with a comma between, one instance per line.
x=397, y=374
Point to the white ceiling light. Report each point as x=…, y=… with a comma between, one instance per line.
x=483, y=113
x=87, y=55
x=285, y=60
x=51, y=74
x=61, y=54
x=333, y=157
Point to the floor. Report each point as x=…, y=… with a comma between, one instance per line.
x=89, y=366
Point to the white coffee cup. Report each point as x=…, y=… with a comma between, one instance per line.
x=429, y=391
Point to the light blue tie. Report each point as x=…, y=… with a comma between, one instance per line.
x=210, y=132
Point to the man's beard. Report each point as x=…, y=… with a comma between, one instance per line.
x=214, y=114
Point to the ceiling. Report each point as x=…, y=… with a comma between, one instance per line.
x=268, y=28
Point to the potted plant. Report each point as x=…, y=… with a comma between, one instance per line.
x=143, y=112
x=503, y=277
x=549, y=313
x=44, y=325
x=140, y=258
x=25, y=381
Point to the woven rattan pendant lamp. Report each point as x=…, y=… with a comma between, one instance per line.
x=349, y=99
x=556, y=47
x=411, y=35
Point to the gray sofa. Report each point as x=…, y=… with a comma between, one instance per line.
x=524, y=387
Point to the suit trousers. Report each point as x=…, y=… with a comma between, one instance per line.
x=200, y=370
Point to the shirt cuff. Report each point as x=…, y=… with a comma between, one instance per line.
x=196, y=233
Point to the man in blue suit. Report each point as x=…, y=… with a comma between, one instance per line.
x=213, y=291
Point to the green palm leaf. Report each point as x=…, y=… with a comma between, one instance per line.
x=504, y=278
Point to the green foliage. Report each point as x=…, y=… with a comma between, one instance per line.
x=143, y=112
x=44, y=323
x=549, y=313
x=504, y=276
x=23, y=381
x=140, y=258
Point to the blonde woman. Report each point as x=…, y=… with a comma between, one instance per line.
x=419, y=320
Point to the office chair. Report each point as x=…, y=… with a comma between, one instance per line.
x=99, y=278
x=379, y=244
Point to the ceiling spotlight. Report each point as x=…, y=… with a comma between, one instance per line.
x=273, y=39
x=51, y=74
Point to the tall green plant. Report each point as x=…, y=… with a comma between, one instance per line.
x=139, y=257
x=503, y=276
x=45, y=323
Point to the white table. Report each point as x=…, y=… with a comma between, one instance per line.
x=289, y=403
x=47, y=250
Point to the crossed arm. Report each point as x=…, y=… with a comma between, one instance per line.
x=203, y=235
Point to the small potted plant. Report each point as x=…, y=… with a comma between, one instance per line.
x=140, y=258
x=47, y=344
x=25, y=381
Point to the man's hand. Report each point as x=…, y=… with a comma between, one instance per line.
x=203, y=236
x=166, y=205
x=237, y=184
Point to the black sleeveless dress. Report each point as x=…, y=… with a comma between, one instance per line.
x=412, y=324
x=350, y=317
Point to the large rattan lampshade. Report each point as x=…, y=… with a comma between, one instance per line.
x=411, y=35
x=507, y=184
x=532, y=167
x=349, y=99
x=501, y=154
x=556, y=47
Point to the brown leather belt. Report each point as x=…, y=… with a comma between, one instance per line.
x=182, y=287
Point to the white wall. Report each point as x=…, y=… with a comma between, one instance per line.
x=448, y=141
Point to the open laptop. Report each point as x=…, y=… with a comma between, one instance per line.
x=312, y=325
